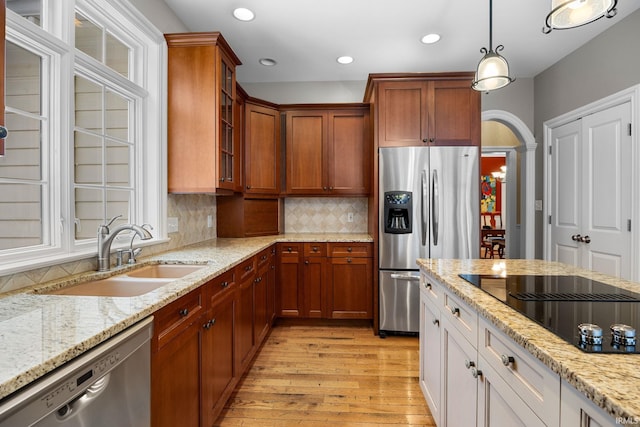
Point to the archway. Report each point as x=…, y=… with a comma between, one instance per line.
x=527, y=183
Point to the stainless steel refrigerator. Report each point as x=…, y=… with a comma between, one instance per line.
x=429, y=208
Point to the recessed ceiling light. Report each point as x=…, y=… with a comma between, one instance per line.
x=243, y=14
x=345, y=60
x=430, y=38
x=267, y=62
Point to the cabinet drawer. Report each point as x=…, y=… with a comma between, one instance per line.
x=431, y=289
x=531, y=380
x=263, y=258
x=245, y=269
x=463, y=317
x=286, y=250
x=169, y=321
x=221, y=283
x=315, y=249
x=353, y=250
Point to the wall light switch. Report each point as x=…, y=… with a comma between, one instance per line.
x=172, y=224
x=350, y=217
x=209, y=221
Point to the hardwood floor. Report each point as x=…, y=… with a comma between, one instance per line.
x=315, y=375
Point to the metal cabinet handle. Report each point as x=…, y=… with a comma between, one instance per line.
x=436, y=322
x=507, y=360
x=427, y=285
x=183, y=312
x=475, y=373
x=469, y=364
x=209, y=324
x=455, y=311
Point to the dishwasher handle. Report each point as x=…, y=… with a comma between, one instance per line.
x=408, y=277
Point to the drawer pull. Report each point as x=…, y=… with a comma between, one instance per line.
x=475, y=373
x=289, y=249
x=349, y=260
x=507, y=360
x=306, y=262
x=183, y=312
x=315, y=249
x=224, y=284
x=455, y=311
x=209, y=324
x=349, y=249
x=427, y=285
x=436, y=322
x=469, y=364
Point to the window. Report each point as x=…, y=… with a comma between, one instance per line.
x=85, y=137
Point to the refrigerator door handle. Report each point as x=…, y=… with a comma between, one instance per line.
x=435, y=202
x=423, y=207
x=408, y=277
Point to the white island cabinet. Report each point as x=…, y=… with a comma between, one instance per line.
x=484, y=364
x=471, y=375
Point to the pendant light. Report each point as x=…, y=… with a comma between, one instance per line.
x=575, y=13
x=493, y=69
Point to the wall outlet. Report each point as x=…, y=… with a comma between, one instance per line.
x=350, y=217
x=209, y=221
x=172, y=224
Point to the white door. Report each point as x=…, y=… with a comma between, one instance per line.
x=591, y=192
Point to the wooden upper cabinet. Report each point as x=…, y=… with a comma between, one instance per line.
x=328, y=152
x=2, y=35
x=262, y=150
x=203, y=152
x=429, y=109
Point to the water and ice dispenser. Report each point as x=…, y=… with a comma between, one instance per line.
x=397, y=212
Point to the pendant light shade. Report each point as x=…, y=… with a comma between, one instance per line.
x=575, y=13
x=493, y=70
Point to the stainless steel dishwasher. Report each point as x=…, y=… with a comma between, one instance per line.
x=107, y=386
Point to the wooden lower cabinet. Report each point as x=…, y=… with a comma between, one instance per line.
x=325, y=280
x=244, y=342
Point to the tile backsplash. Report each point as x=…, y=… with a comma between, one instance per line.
x=302, y=215
x=325, y=214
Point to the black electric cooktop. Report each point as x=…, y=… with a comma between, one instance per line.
x=561, y=303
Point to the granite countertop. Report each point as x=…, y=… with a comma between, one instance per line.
x=40, y=332
x=611, y=381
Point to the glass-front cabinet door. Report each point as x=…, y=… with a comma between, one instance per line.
x=229, y=172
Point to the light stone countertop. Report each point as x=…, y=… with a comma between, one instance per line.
x=40, y=332
x=611, y=381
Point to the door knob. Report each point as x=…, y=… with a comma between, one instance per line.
x=586, y=239
x=576, y=238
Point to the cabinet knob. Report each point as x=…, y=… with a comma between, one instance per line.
x=315, y=249
x=349, y=260
x=436, y=322
x=289, y=249
x=248, y=187
x=507, y=360
x=427, y=285
x=330, y=188
x=431, y=139
x=349, y=249
x=469, y=364
x=221, y=179
x=306, y=262
x=224, y=284
x=3, y=132
x=209, y=324
x=425, y=140
x=475, y=373
x=455, y=311
x=183, y=312
x=324, y=188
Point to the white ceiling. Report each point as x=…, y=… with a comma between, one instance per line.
x=306, y=36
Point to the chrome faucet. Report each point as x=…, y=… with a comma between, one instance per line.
x=105, y=238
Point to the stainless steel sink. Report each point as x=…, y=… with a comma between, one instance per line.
x=131, y=284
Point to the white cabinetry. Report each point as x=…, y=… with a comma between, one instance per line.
x=577, y=411
x=472, y=374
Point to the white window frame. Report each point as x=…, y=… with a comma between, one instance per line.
x=54, y=42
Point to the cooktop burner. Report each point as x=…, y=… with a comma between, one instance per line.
x=566, y=305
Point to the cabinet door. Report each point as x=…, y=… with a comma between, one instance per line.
x=577, y=410
x=312, y=287
x=244, y=324
x=455, y=115
x=349, y=288
x=2, y=36
x=289, y=299
x=306, y=139
x=460, y=392
x=229, y=148
x=348, y=152
x=262, y=150
x=175, y=380
x=499, y=406
x=261, y=320
x=430, y=354
x=218, y=375
x=403, y=116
